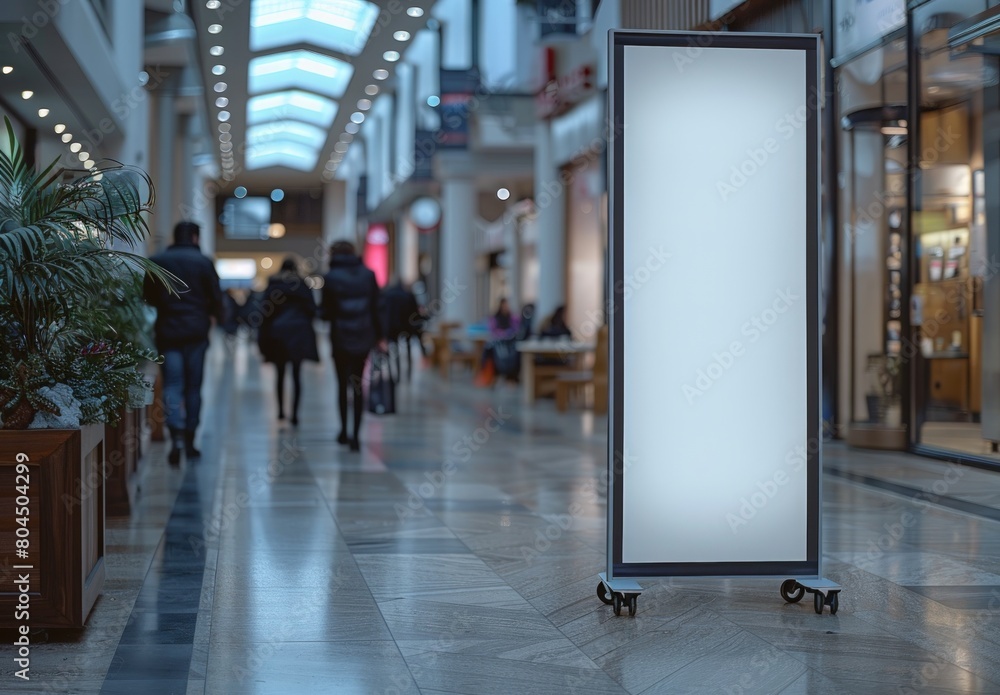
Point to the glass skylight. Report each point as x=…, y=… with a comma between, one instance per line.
x=288, y=131
x=338, y=25
x=281, y=153
x=302, y=69
x=292, y=104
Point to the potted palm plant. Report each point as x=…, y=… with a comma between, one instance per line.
x=69, y=243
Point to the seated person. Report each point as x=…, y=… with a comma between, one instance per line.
x=500, y=349
x=555, y=327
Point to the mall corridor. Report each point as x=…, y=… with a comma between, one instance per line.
x=459, y=552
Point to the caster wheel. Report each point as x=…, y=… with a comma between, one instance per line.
x=603, y=594
x=617, y=603
x=834, y=602
x=792, y=591
x=818, y=602
x=632, y=601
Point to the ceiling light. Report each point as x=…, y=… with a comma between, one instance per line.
x=341, y=26
x=433, y=100
x=299, y=69
x=276, y=230
x=331, y=165
x=415, y=11
x=226, y=147
x=346, y=137
x=143, y=77
x=220, y=87
x=371, y=90
x=7, y=69
x=340, y=147
x=217, y=50
x=358, y=117
x=59, y=127
x=27, y=94
x=67, y=137
x=277, y=195
x=225, y=137
x=222, y=102
x=214, y=28
x=84, y=156
x=42, y=113
x=223, y=116
x=364, y=104
x=213, y=4
x=380, y=74
x=218, y=69
x=266, y=262
x=89, y=164
x=391, y=56
x=224, y=127
x=240, y=192
x=352, y=127
x=75, y=147
x=401, y=35
x=503, y=193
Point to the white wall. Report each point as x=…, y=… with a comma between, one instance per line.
x=456, y=30
x=498, y=54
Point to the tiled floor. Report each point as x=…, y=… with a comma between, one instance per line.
x=444, y=559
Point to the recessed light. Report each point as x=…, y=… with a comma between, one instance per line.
x=391, y=56
x=7, y=69
x=220, y=87
x=218, y=69
x=222, y=102
x=223, y=116
x=89, y=164
x=364, y=104
x=42, y=113
x=415, y=11
x=217, y=50
x=224, y=127
x=503, y=193
x=229, y=176
x=346, y=137
x=75, y=147
x=401, y=35
x=226, y=147
x=27, y=94
x=358, y=117
x=213, y=4
x=67, y=137
x=225, y=137
x=59, y=127
x=143, y=77
x=352, y=127
x=371, y=90
x=214, y=28
x=340, y=147
x=277, y=195
x=84, y=156
x=433, y=100
x=380, y=74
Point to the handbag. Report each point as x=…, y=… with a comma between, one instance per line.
x=381, y=387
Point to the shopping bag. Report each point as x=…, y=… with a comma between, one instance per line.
x=381, y=387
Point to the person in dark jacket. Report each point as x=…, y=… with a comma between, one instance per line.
x=350, y=302
x=286, y=335
x=183, y=321
x=401, y=319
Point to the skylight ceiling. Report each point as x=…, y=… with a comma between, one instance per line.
x=336, y=25
x=286, y=131
x=282, y=153
x=302, y=69
x=291, y=104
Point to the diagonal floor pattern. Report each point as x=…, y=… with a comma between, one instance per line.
x=458, y=552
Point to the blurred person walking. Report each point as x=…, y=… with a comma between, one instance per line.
x=350, y=302
x=286, y=334
x=183, y=322
x=401, y=320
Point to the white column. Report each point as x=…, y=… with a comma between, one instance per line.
x=335, y=212
x=166, y=129
x=407, y=250
x=512, y=251
x=550, y=202
x=458, y=254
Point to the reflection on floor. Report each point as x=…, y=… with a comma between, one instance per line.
x=965, y=437
x=458, y=553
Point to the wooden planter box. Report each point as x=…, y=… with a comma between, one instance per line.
x=122, y=451
x=66, y=525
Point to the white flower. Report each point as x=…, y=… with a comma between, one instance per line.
x=69, y=409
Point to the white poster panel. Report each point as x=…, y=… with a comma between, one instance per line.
x=715, y=227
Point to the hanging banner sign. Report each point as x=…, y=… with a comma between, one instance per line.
x=715, y=331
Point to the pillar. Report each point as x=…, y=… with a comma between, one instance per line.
x=550, y=203
x=166, y=129
x=458, y=254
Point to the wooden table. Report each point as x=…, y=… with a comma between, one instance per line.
x=530, y=349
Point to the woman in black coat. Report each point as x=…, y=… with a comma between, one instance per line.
x=286, y=333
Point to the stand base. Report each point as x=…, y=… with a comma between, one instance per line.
x=825, y=593
x=618, y=593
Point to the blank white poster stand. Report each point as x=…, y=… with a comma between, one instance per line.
x=714, y=463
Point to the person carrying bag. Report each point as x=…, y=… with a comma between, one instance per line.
x=381, y=385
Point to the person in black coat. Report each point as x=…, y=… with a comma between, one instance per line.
x=401, y=319
x=183, y=321
x=350, y=302
x=286, y=334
